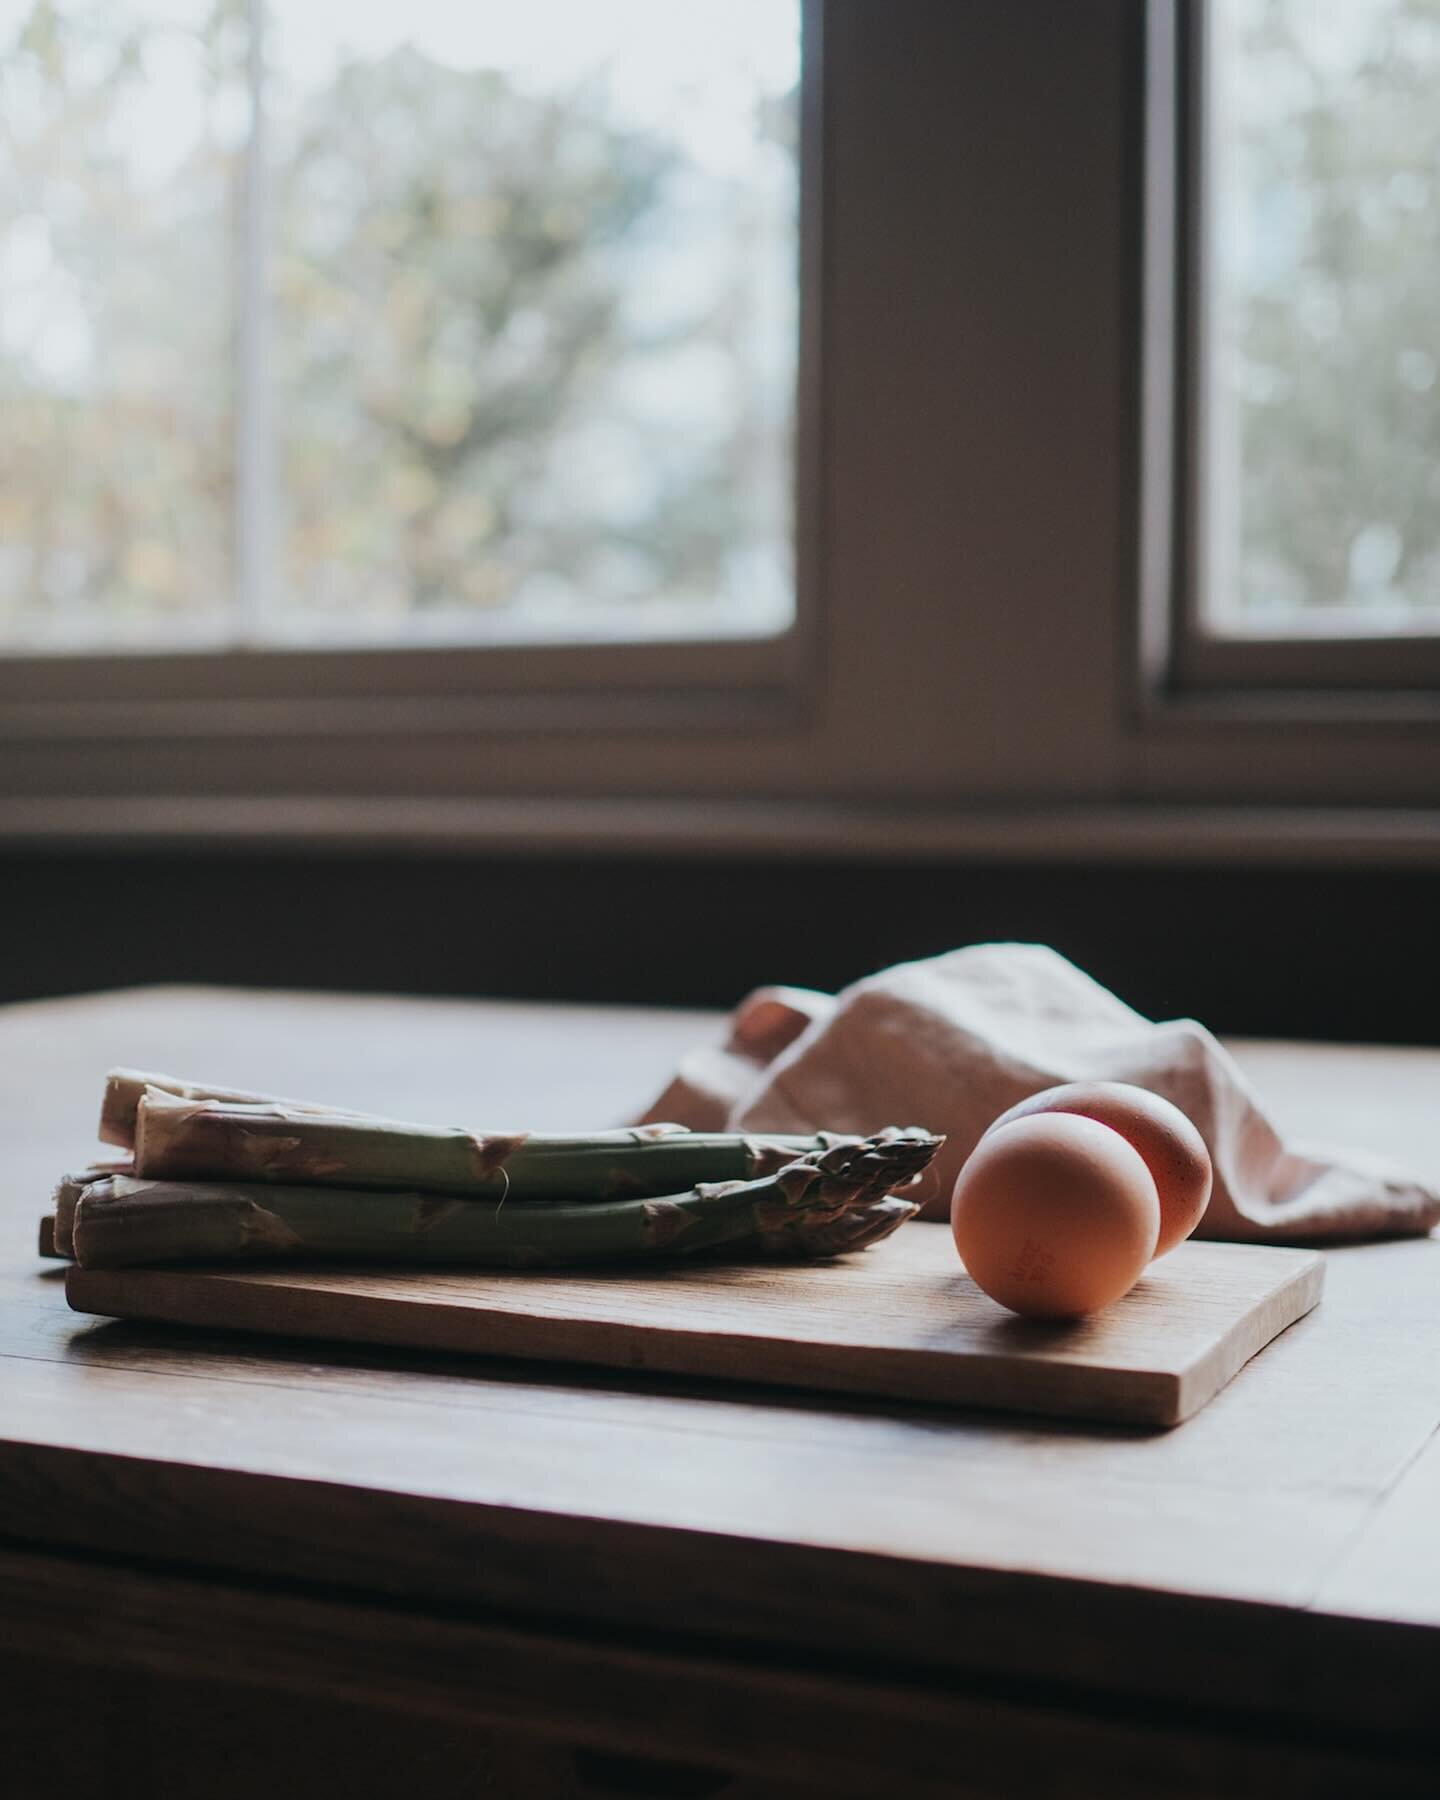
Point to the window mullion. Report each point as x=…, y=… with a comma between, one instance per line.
x=254, y=442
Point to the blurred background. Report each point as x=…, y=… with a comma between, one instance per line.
x=802, y=487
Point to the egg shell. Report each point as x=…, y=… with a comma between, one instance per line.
x=1055, y=1215
x=1171, y=1146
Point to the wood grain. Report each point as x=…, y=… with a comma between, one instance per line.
x=1236, y=1560
x=210, y=1725
x=1392, y=1570
x=844, y=1735
x=901, y=1322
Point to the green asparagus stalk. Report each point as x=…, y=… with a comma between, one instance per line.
x=125, y=1087
x=210, y=1140
x=812, y=1238
x=125, y=1221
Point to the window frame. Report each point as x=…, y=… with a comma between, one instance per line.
x=386, y=688
x=989, y=471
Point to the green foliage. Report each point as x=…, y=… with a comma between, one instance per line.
x=1332, y=348
x=491, y=387
x=451, y=294
x=115, y=454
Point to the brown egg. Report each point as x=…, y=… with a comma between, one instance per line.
x=1172, y=1149
x=1055, y=1215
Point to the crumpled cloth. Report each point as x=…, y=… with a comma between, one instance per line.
x=952, y=1042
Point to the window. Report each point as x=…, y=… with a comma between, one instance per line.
x=1315, y=234
x=406, y=323
x=1005, y=632
x=1323, y=263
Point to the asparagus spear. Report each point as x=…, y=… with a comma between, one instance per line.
x=125, y=1221
x=812, y=1237
x=212, y=1140
x=125, y=1087
x=68, y=1191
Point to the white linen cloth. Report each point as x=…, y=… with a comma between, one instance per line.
x=951, y=1042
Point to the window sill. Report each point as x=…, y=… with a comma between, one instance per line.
x=1105, y=833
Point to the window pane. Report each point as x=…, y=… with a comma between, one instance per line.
x=1322, y=383
x=116, y=166
x=534, y=310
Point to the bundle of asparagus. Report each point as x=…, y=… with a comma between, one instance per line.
x=217, y=1175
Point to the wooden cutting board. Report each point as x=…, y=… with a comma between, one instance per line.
x=902, y=1321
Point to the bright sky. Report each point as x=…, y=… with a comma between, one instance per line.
x=691, y=68
x=553, y=36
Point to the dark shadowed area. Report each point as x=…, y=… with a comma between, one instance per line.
x=1285, y=953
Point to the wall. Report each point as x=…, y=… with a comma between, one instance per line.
x=1344, y=954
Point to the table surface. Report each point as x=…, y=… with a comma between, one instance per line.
x=1276, y=1553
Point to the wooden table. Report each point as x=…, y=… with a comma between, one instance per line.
x=235, y=1568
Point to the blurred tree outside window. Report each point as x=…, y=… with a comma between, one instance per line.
x=1322, y=274
x=409, y=322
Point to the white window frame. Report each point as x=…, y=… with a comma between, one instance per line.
x=985, y=660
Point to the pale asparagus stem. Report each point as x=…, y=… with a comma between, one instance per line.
x=124, y=1088
x=133, y=1221
x=187, y=1140
x=68, y=1191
